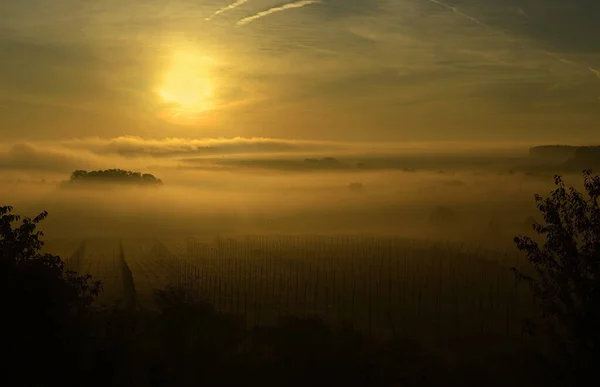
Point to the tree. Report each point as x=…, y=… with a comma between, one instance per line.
x=44, y=306
x=114, y=176
x=78, y=174
x=566, y=279
x=20, y=253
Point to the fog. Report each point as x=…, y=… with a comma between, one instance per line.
x=473, y=198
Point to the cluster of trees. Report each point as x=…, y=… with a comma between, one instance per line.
x=584, y=156
x=565, y=157
x=114, y=176
x=50, y=324
x=552, y=152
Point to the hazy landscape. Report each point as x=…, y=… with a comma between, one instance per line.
x=292, y=193
x=487, y=197
x=417, y=245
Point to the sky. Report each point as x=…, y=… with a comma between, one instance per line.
x=297, y=72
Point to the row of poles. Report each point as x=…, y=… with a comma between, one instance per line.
x=76, y=258
x=381, y=286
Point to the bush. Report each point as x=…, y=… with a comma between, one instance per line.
x=566, y=282
x=45, y=306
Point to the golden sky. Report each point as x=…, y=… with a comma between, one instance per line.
x=328, y=70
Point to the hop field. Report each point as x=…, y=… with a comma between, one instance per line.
x=428, y=290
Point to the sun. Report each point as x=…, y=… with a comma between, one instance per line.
x=186, y=89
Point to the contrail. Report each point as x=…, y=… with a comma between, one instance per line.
x=229, y=7
x=298, y=4
x=473, y=19
x=459, y=12
x=560, y=58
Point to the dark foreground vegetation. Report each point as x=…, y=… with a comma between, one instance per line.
x=55, y=334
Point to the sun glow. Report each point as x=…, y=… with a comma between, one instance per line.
x=186, y=88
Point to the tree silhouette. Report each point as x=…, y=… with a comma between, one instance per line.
x=566, y=282
x=114, y=176
x=44, y=306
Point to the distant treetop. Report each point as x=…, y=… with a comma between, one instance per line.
x=114, y=176
x=558, y=151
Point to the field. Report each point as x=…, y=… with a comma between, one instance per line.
x=98, y=257
x=431, y=291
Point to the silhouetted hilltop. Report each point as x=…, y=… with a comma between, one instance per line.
x=119, y=176
x=562, y=159
x=557, y=152
x=584, y=158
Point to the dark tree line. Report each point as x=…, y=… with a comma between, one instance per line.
x=115, y=176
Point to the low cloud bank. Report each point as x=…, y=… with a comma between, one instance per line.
x=247, y=153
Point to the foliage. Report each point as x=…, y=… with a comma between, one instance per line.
x=44, y=305
x=114, y=175
x=20, y=254
x=567, y=268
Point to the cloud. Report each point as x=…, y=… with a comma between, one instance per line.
x=64, y=156
x=70, y=81
x=359, y=163
x=298, y=4
x=329, y=164
x=346, y=70
x=337, y=9
x=227, y=8
x=24, y=156
x=458, y=11
x=36, y=67
x=568, y=27
x=130, y=146
x=541, y=97
x=180, y=148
